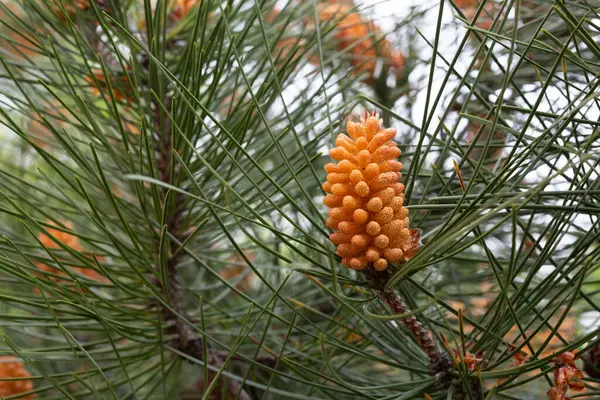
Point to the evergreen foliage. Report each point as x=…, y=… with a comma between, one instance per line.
x=163, y=232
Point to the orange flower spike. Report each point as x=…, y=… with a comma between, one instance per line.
x=11, y=368
x=366, y=200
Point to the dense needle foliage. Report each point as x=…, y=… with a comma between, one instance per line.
x=161, y=200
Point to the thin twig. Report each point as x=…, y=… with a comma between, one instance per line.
x=440, y=365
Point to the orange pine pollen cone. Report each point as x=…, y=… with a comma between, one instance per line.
x=63, y=237
x=71, y=9
x=366, y=198
x=16, y=43
x=182, y=7
x=465, y=3
x=121, y=89
x=11, y=368
x=364, y=39
x=73, y=242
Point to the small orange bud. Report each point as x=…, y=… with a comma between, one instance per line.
x=337, y=178
x=364, y=158
x=394, y=255
x=373, y=228
x=393, y=228
x=360, y=216
x=345, y=142
x=346, y=250
x=362, y=189
x=360, y=241
x=338, y=213
x=329, y=168
x=181, y=8
x=332, y=223
x=380, y=264
x=361, y=144
x=340, y=189
x=332, y=200
x=350, y=227
x=381, y=138
x=386, y=153
x=396, y=203
x=385, y=215
x=340, y=153
x=358, y=263
x=351, y=202
x=372, y=254
x=340, y=237
x=375, y=204
x=371, y=171
x=381, y=241
x=346, y=166
x=356, y=176
x=352, y=129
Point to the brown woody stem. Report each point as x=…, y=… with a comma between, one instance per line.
x=440, y=364
x=189, y=342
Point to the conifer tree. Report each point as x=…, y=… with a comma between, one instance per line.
x=324, y=199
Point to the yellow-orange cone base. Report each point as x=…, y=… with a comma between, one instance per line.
x=366, y=198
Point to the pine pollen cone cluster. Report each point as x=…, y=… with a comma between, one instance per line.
x=363, y=40
x=366, y=198
x=11, y=368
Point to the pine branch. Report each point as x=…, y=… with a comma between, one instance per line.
x=189, y=342
x=524, y=87
x=440, y=365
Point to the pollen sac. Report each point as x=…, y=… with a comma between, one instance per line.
x=366, y=199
